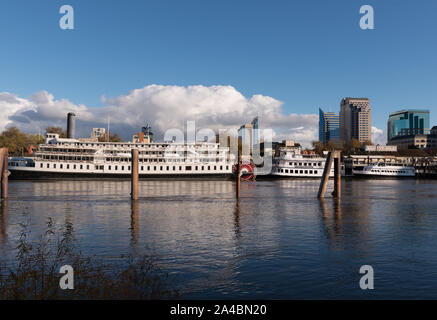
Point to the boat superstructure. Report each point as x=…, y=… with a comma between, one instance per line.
x=290, y=162
x=60, y=157
x=385, y=170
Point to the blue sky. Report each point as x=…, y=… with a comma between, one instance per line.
x=307, y=54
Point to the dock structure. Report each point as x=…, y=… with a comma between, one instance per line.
x=333, y=156
x=4, y=172
x=134, y=174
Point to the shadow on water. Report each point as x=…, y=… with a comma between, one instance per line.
x=3, y=220
x=237, y=220
x=134, y=226
x=331, y=218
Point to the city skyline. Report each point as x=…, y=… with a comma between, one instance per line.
x=152, y=63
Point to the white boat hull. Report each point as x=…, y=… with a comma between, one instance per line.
x=382, y=170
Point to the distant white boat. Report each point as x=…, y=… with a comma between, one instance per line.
x=384, y=170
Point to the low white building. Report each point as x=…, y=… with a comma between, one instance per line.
x=379, y=148
x=98, y=132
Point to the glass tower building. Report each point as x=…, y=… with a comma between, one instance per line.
x=407, y=122
x=329, y=127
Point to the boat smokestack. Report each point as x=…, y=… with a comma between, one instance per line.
x=70, y=125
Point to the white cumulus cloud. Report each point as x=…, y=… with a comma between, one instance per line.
x=378, y=136
x=163, y=107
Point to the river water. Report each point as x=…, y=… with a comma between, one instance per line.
x=277, y=242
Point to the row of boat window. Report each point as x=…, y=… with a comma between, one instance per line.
x=123, y=168
x=222, y=159
x=298, y=171
x=305, y=164
x=203, y=145
x=391, y=171
x=80, y=151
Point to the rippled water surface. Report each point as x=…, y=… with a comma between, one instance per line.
x=277, y=242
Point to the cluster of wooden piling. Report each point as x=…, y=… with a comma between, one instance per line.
x=4, y=172
x=333, y=156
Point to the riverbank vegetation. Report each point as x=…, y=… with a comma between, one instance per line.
x=24, y=144
x=17, y=142
x=36, y=272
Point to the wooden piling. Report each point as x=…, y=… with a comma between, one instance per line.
x=325, y=177
x=1, y=164
x=337, y=175
x=238, y=174
x=4, y=173
x=134, y=174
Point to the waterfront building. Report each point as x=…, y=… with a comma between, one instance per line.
x=98, y=132
x=432, y=138
x=379, y=148
x=415, y=141
x=408, y=122
x=355, y=120
x=329, y=127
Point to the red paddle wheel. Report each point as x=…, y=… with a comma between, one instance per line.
x=247, y=171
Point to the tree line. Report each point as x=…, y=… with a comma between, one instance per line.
x=18, y=143
x=352, y=146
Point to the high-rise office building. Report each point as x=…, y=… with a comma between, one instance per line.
x=407, y=122
x=329, y=127
x=355, y=119
x=249, y=135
